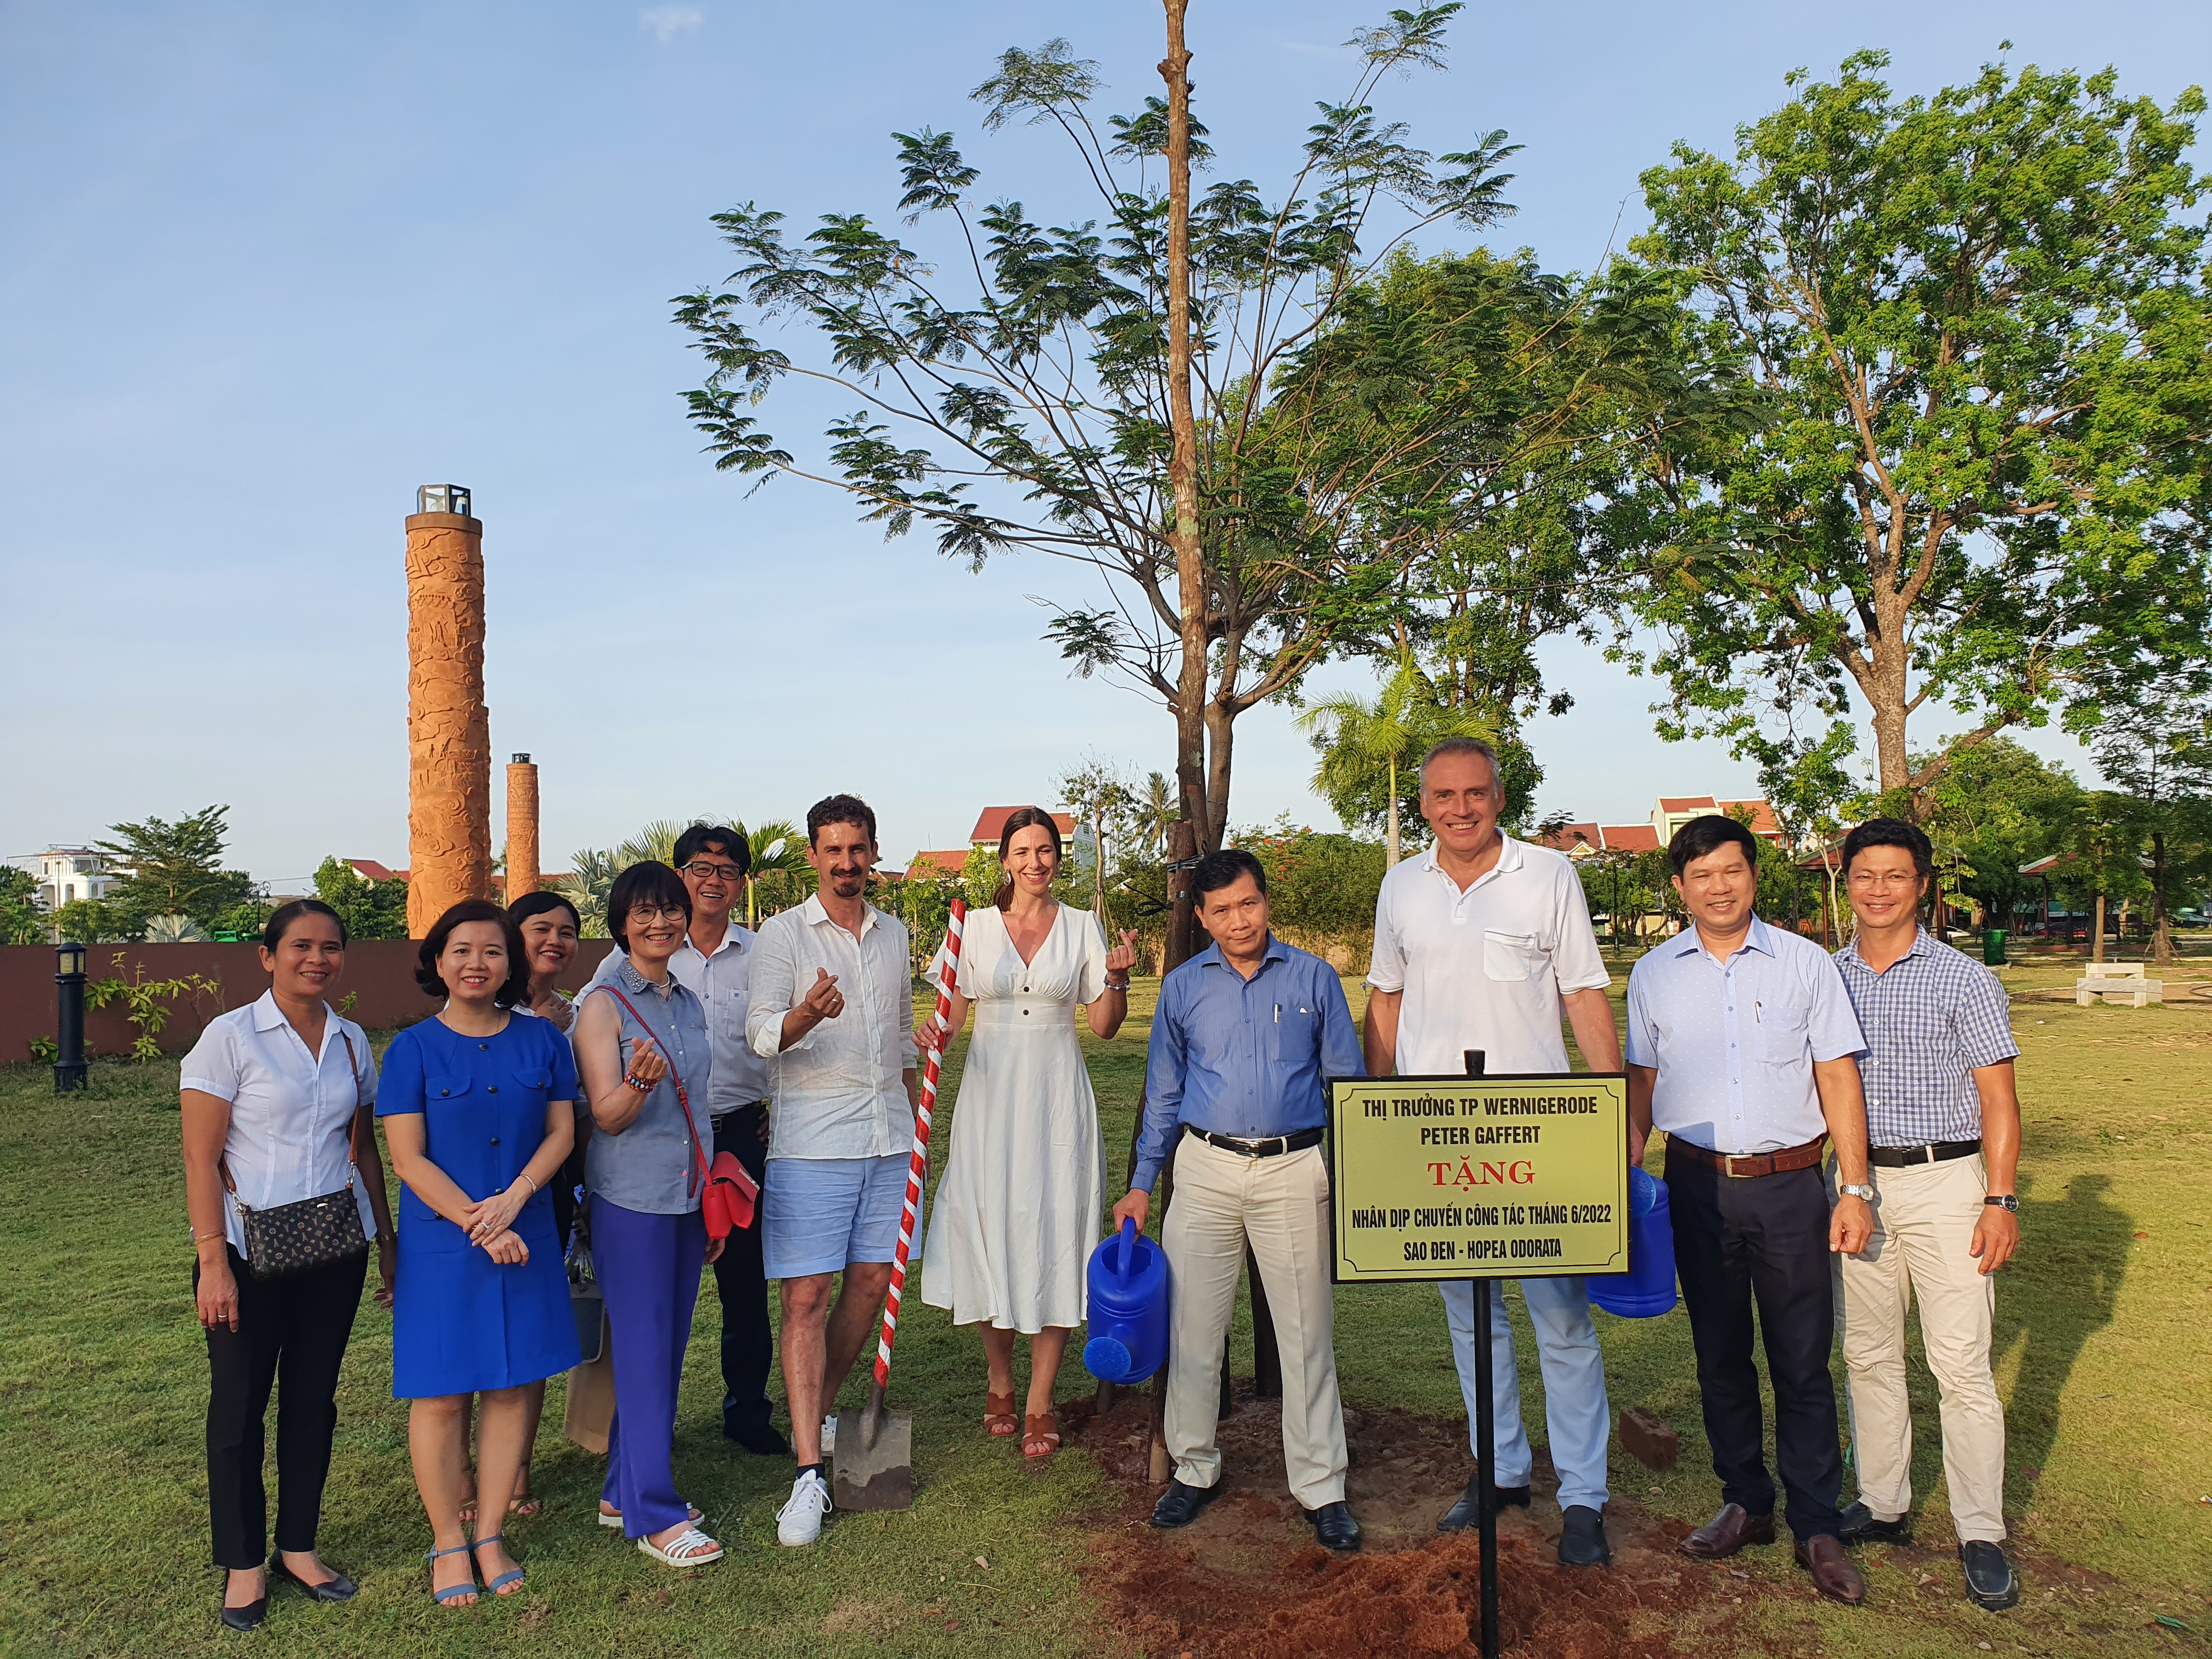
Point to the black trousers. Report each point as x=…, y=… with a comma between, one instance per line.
x=748, y=1344
x=1762, y=1240
x=291, y=1333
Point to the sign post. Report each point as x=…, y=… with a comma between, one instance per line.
x=1478, y=1178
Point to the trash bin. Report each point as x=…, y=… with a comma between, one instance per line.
x=1993, y=943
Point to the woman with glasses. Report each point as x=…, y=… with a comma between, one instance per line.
x=477, y=1108
x=642, y=1047
x=1018, y=1209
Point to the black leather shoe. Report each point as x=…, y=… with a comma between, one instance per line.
x=1582, y=1539
x=1991, y=1579
x=761, y=1439
x=1334, y=1527
x=1179, y=1504
x=248, y=1617
x=336, y=1588
x=1859, y=1527
x=1461, y=1515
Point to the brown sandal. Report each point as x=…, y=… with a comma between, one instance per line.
x=998, y=1413
x=1040, y=1429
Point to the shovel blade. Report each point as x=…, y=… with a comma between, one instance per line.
x=878, y=1476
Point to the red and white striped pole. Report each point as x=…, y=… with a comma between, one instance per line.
x=917, y=1165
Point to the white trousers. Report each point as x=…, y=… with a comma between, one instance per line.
x=1923, y=1220
x=1280, y=1205
x=1577, y=1415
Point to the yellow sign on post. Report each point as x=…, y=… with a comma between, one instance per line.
x=1489, y=1177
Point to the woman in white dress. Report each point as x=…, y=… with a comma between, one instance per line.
x=1020, y=1205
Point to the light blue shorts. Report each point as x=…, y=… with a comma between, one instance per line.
x=824, y=1211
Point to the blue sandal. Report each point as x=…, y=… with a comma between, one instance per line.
x=451, y=1592
x=512, y=1576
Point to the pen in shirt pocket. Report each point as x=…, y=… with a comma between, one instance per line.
x=1278, y=1014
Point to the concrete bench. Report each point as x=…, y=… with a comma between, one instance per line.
x=2117, y=982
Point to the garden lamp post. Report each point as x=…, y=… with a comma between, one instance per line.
x=68, y=1023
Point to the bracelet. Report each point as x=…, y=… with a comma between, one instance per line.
x=638, y=1083
x=524, y=1175
x=1123, y=987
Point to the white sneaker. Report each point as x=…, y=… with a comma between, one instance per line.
x=799, y=1521
x=828, y=1436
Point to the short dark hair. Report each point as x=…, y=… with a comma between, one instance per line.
x=1219, y=870
x=1709, y=834
x=647, y=882
x=281, y=919
x=839, y=809
x=1891, y=832
x=538, y=903
x=703, y=837
x=517, y=987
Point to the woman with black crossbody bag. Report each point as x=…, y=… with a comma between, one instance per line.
x=285, y=1189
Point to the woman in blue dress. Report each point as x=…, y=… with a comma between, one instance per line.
x=477, y=1112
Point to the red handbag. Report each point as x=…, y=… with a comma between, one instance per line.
x=731, y=1195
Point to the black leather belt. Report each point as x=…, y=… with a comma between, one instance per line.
x=1274, y=1146
x=1938, y=1151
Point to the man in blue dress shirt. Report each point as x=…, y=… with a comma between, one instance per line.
x=1742, y=1046
x=1247, y=1034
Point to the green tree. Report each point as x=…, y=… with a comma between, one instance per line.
x=96, y=921
x=1144, y=396
x=369, y=909
x=1365, y=744
x=2154, y=746
x=1995, y=808
x=1976, y=330
x=165, y=868
x=20, y=922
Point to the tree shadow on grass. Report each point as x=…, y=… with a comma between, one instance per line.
x=2067, y=1293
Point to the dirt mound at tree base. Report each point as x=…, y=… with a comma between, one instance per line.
x=1247, y=1581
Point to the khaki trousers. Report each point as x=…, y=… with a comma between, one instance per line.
x=1281, y=1205
x=1923, y=1220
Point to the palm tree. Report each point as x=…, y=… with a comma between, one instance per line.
x=778, y=846
x=1152, y=811
x=1362, y=744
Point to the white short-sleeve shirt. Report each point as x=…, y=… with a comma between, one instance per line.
x=1485, y=968
x=291, y=1112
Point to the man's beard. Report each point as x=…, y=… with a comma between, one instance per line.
x=845, y=882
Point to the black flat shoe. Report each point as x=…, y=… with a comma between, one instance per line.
x=336, y=1588
x=1334, y=1529
x=761, y=1439
x=248, y=1617
x=1179, y=1504
x=1461, y=1515
x=1859, y=1527
x=1991, y=1579
x=1582, y=1539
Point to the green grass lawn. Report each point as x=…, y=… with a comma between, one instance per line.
x=2105, y=1326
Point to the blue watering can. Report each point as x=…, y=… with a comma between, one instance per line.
x=1646, y=1289
x=1128, y=1279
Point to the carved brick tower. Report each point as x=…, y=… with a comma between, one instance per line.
x=448, y=729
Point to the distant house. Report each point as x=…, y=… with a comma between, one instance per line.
x=370, y=870
x=944, y=861
x=66, y=874
x=1668, y=814
x=991, y=824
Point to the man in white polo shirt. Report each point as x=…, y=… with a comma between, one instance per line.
x=1482, y=942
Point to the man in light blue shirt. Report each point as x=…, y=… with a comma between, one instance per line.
x=1742, y=1046
x=1245, y=1038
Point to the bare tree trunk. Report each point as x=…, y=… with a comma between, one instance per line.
x=1182, y=466
x=1182, y=847
x=2161, y=937
x=1390, y=838
x=2097, y=933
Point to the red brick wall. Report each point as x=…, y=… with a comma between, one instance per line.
x=380, y=974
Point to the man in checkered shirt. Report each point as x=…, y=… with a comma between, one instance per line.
x=1943, y=1128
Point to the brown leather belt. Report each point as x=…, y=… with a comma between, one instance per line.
x=1751, y=1163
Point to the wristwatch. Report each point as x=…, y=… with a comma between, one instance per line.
x=1864, y=1194
x=2004, y=1201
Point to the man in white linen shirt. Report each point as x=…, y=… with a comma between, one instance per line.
x=1481, y=942
x=832, y=1010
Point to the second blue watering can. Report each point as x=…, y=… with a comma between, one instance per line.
x=1128, y=1279
x=1646, y=1289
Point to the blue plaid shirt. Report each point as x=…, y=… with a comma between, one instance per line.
x=1930, y=1017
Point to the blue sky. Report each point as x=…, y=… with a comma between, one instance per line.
x=267, y=267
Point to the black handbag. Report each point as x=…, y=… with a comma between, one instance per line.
x=286, y=1239
x=587, y=1303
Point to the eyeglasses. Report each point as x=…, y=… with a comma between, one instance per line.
x=700, y=869
x=1891, y=878
x=649, y=913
